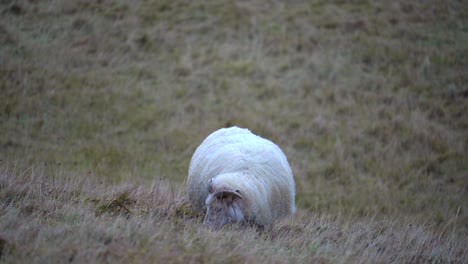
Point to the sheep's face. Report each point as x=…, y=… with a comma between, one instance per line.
x=223, y=207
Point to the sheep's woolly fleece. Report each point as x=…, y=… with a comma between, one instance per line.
x=237, y=159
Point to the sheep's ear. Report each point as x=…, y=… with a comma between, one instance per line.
x=210, y=186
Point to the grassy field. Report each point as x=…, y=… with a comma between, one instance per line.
x=102, y=104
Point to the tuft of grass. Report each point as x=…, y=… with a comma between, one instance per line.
x=118, y=205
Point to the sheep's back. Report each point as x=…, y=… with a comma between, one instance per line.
x=234, y=150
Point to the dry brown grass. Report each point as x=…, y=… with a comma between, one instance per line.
x=48, y=218
x=368, y=99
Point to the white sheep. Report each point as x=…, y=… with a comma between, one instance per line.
x=240, y=177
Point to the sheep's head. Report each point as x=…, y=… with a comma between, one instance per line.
x=223, y=207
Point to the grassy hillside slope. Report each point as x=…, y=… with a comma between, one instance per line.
x=368, y=99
